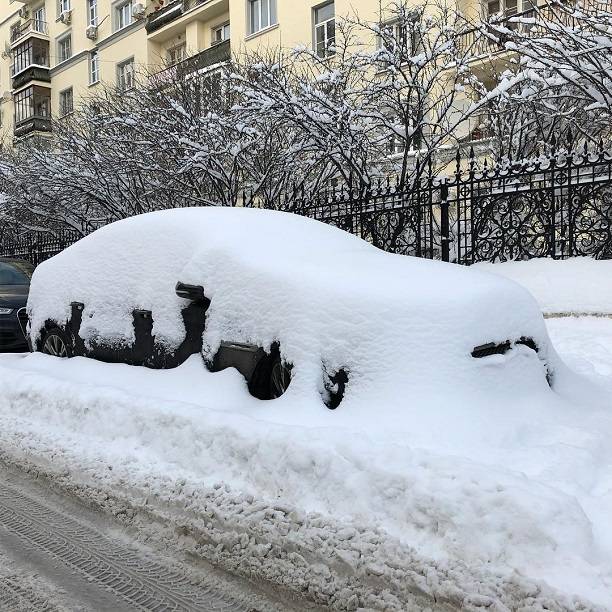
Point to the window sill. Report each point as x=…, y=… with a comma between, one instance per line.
x=94, y=83
x=261, y=32
x=65, y=116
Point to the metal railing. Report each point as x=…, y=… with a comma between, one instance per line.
x=486, y=38
x=557, y=206
x=31, y=25
x=213, y=56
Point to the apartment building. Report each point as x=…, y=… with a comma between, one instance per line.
x=53, y=52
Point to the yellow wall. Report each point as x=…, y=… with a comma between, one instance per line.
x=194, y=27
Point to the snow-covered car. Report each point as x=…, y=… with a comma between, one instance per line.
x=295, y=305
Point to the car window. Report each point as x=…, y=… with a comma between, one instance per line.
x=15, y=273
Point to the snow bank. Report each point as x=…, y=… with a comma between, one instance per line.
x=472, y=506
x=399, y=325
x=573, y=286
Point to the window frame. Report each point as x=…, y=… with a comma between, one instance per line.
x=63, y=111
x=324, y=25
x=63, y=6
x=62, y=39
x=39, y=24
x=26, y=100
x=94, y=67
x=272, y=15
x=171, y=54
x=118, y=15
x=120, y=67
x=220, y=28
x=92, y=13
x=31, y=52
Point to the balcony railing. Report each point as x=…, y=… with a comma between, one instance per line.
x=486, y=40
x=213, y=56
x=30, y=26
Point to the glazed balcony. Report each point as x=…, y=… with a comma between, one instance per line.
x=30, y=62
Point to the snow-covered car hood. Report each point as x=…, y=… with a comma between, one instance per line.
x=400, y=326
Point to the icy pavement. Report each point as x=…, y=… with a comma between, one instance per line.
x=57, y=556
x=503, y=508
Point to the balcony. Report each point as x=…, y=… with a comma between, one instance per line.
x=213, y=56
x=171, y=11
x=32, y=125
x=482, y=41
x=34, y=27
x=175, y=9
x=30, y=62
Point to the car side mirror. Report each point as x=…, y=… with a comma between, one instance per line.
x=195, y=293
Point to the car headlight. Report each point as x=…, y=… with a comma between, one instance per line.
x=5, y=311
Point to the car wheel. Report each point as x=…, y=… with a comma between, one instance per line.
x=56, y=344
x=280, y=377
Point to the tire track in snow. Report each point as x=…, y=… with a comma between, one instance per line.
x=139, y=582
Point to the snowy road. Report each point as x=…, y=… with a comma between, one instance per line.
x=60, y=559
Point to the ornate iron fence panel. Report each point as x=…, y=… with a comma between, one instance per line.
x=559, y=206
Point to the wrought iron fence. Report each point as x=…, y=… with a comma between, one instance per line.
x=558, y=206
x=36, y=247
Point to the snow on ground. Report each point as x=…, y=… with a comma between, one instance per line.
x=574, y=286
x=490, y=503
x=481, y=496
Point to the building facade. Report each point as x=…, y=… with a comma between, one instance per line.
x=54, y=52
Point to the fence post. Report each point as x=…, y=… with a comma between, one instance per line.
x=444, y=222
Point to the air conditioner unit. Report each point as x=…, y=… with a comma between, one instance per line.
x=92, y=32
x=24, y=12
x=138, y=11
x=66, y=17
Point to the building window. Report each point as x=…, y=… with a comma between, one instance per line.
x=403, y=39
x=32, y=52
x=15, y=31
x=64, y=49
x=324, y=30
x=220, y=34
x=177, y=54
x=261, y=14
x=66, y=102
x=123, y=15
x=63, y=6
x=94, y=67
x=39, y=20
x=507, y=7
x=125, y=75
x=92, y=12
x=32, y=102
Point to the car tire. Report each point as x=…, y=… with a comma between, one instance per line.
x=280, y=378
x=271, y=378
x=56, y=343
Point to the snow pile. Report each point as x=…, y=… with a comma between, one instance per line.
x=580, y=285
x=397, y=324
x=446, y=503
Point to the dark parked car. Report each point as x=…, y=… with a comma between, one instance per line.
x=15, y=275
